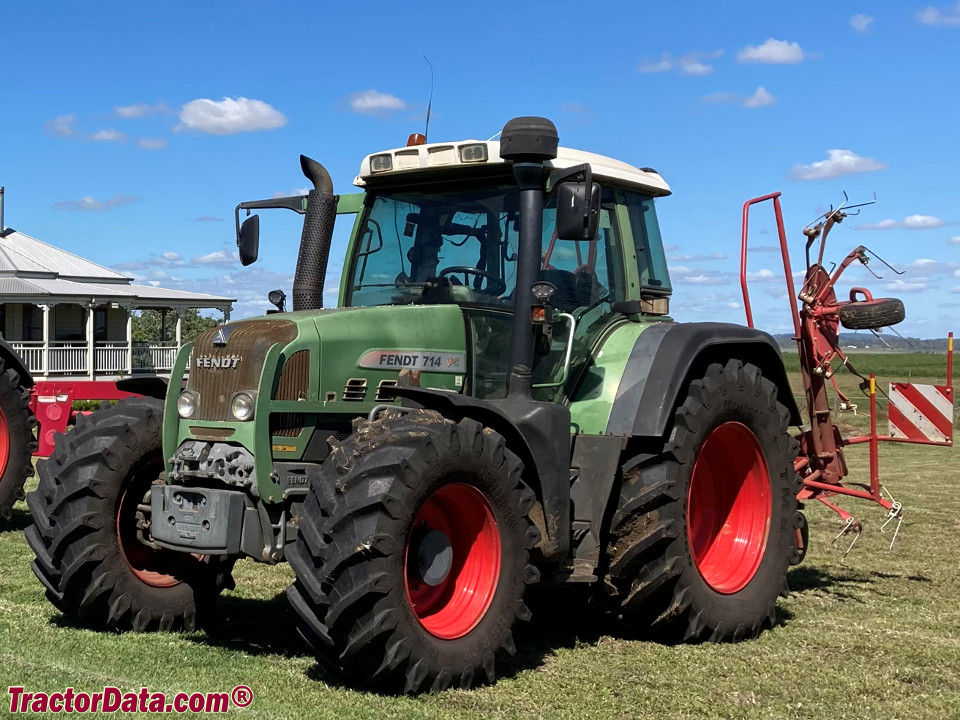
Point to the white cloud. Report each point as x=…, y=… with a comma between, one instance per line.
x=291, y=193
x=690, y=64
x=901, y=286
x=230, y=115
x=860, y=22
x=140, y=110
x=208, y=218
x=837, y=164
x=89, y=204
x=152, y=143
x=764, y=275
x=219, y=257
x=664, y=64
x=110, y=135
x=697, y=258
x=921, y=222
x=62, y=126
x=374, y=102
x=955, y=240
x=949, y=16
x=780, y=52
x=760, y=98
x=911, y=222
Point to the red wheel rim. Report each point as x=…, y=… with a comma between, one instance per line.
x=4, y=444
x=450, y=605
x=729, y=508
x=156, y=568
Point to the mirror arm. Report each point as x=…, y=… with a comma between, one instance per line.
x=562, y=174
x=297, y=203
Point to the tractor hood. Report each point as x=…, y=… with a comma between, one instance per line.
x=309, y=369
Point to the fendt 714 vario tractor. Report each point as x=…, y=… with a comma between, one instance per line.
x=501, y=399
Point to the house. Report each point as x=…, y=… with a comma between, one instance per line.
x=70, y=317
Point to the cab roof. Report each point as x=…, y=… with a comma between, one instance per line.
x=486, y=153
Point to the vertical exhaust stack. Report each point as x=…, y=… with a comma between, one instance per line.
x=527, y=142
x=315, y=239
x=2, y=226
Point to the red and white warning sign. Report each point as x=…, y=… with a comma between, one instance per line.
x=921, y=413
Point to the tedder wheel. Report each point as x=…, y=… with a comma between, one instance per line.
x=17, y=442
x=707, y=523
x=96, y=570
x=871, y=314
x=412, y=554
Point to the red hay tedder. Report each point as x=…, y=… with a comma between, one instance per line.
x=921, y=414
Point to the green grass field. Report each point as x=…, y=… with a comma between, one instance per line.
x=874, y=636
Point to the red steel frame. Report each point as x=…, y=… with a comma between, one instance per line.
x=821, y=462
x=52, y=402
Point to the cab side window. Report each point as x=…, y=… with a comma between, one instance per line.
x=652, y=263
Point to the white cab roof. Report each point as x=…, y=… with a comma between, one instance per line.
x=447, y=155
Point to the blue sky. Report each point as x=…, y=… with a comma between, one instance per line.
x=130, y=130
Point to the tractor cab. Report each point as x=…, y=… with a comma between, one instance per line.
x=440, y=225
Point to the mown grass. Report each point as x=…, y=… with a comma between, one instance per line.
x=874, y=636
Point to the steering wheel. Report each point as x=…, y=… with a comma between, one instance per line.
x=495, y=286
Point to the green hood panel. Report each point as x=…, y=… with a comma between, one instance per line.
x=349, y=354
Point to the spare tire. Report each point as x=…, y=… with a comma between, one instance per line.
x=872, y=314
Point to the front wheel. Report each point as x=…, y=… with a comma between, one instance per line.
x=412, y=554
x=90, y=554
x=706, y=526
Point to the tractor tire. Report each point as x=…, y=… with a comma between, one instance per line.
x=707, y=520
x=17, y=442
x=84, y=534
x=412, y=555
x=872, y=314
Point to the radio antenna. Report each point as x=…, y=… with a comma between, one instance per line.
x=426, y=129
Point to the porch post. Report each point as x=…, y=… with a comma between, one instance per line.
x=91, y=350
x=45, y=359
x=129, y=311
x=226, y=315
x=179, y=330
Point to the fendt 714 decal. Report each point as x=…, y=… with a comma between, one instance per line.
x=445, y=362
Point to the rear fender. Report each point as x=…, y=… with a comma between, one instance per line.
x=668, y=356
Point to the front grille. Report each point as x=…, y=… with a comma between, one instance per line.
x=295, y=379
x=355, y=390
x=249, y=343
x=286, y=424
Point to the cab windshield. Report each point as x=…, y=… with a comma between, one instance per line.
x=456, y=247
x=433, y=246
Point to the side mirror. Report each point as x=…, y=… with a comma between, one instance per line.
x=249, y=240
x=578, y=210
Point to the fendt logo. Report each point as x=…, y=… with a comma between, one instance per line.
x=218, y=363
x=222, y=336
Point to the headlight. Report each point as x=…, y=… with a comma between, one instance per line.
x=187, y=404
x=241, y=406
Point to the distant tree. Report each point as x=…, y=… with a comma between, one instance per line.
x=147, y=325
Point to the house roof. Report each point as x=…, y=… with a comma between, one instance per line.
x=36, y=272
x=20, y=253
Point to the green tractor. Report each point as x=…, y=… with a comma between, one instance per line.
x=500, y=400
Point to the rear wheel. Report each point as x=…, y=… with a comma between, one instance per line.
x=90, y=555
x=17, y=442
x=706, y=524
x=412, y=554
